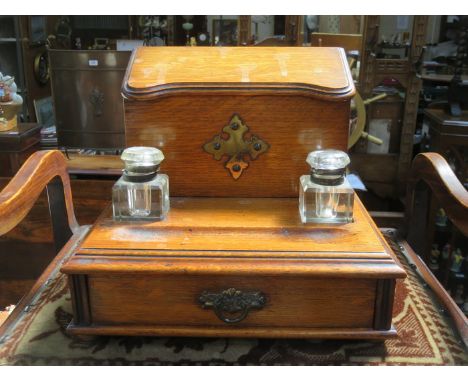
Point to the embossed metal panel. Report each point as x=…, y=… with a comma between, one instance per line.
x=87, y=99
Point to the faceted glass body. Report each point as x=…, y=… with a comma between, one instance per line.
x=141, y=200
x=325, y=204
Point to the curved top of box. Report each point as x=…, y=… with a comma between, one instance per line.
x=318, y=72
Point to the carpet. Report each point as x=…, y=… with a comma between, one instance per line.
x=425, y=337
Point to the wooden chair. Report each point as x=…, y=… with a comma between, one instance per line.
x=47, y=169
x=43, y=169
x=434, y=171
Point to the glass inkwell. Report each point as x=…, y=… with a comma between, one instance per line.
x=325, y=196
x=141, y=193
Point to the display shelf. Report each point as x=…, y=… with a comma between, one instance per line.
x=373, y=71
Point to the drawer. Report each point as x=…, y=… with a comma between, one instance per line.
x=249, y=301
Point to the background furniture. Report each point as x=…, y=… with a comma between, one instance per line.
x=23, y=55
x=17, y=145
x=446, y=189
x=89, y=27
x=394, y=166
x=349, y=42
x=88, y=104
x=448, y=136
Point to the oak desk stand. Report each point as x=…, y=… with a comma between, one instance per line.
x=17, y=198
x=232, y=258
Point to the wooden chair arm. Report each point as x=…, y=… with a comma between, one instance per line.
x=434, y=170
x=41, y=170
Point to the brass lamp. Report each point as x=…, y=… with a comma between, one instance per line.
x=8, y=115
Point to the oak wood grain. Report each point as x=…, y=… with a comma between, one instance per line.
x=290, y=301
x=257, y=332
x=312, y=281
x=179, y=265
x=156, y=71
x=315, y=284
x=181, y=126
x=239, y=227
x=295, y=99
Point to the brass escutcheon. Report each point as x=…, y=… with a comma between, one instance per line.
x=235, y=147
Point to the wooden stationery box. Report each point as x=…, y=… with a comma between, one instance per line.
x=233, y=258
x=294, y=99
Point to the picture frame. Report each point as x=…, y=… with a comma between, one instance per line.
x=225, y=32
x=44, y=110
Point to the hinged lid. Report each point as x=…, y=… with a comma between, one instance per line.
x=320, y=72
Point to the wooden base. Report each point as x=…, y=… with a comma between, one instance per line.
x=264, y=332
x=234, y=267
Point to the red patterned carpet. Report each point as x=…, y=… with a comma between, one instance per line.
x=425, y=337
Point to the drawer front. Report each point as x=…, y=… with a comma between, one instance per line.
x=225, y=301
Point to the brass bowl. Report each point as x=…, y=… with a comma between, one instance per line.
x=8, y=115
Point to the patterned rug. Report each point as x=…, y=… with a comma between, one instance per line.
x=425, y=337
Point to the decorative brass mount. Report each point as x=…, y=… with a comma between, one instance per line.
x=236, y=147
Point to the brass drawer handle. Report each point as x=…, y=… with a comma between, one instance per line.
x=232, y=305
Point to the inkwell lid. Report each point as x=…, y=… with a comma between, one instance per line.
x=328, y=167
x=141, y=162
